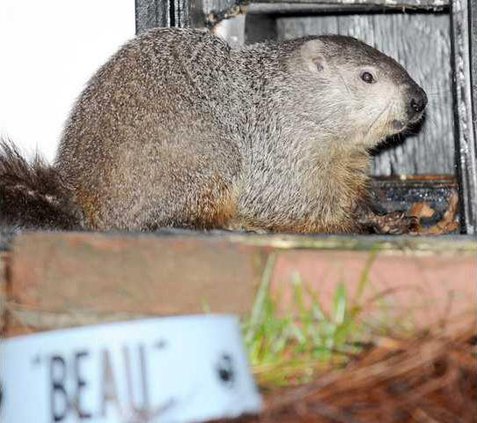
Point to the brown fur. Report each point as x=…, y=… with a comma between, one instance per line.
x=216, y=206
x=179, y=130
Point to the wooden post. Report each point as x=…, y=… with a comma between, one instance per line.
x=151, y=14
x=465, y=136
x=469, y=172
x=166, y=13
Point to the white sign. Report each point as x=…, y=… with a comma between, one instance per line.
x=173, y=369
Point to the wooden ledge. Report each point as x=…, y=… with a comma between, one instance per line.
x=59, y=279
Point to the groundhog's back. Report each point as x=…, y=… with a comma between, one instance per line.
x=159, y=104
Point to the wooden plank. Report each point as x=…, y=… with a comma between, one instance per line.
x=279, y=8
x=167, y=13
x=216, y=10
x=151, y=14
x=72, y=278
x=421, y=43
x=69, y=279
x=465, y=76
x=417, y=4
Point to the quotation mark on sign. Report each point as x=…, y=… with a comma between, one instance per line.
x=1, y=395
x=225, y=370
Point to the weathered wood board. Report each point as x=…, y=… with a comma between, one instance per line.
x=56, y=280
x=464, y=35
x=156, y=13
x=213, y=10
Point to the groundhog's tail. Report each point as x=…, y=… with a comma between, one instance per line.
x=33, y=195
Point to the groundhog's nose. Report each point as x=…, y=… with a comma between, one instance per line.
x=418, y=102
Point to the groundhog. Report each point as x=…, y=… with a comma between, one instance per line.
x=178, y=129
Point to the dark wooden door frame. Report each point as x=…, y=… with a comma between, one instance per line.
x=468, y=156
x=464, y=48
x=166, y=13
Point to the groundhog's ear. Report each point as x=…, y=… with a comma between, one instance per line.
x=313, y=57
x=319, y=63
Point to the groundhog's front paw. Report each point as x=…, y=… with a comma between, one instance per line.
x=236, y=226
x=397, y=223
x=394, y=223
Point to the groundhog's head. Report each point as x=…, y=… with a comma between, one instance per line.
x=355, y=90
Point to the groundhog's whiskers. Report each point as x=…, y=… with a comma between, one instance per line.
x=438, y=93
x=386, y=109
x=344, y=83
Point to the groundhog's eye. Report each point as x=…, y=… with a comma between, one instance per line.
x=368, y=77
